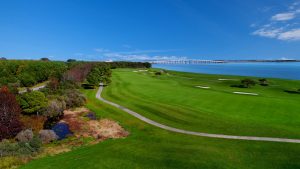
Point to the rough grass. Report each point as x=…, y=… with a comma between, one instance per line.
x=151, y=147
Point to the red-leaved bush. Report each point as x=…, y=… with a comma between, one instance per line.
x=35, y=123
x=78, y=73
x=10, y=124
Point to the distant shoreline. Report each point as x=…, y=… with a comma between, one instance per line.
x=195, y=61
x=284, y=70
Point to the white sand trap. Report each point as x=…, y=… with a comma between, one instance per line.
x=253, y=94
x=225, y=79
x=135, y=71
x=203, y=87
x=143, y=70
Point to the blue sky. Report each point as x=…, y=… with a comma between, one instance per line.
x=149, y=29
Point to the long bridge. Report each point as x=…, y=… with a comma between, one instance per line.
x=196, y=61
x=185, y=61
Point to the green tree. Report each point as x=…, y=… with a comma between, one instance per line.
x=99, y=74
x=248, y=82
x=263, y=82
x=71, y=60
x=45, y=59
x=27, y=79
x=33, y=102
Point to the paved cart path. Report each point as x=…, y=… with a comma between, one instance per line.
x=222, y=136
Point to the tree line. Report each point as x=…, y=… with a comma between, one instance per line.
x=28, y=73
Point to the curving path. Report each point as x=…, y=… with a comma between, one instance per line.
x=253, y=138
x=33, y=89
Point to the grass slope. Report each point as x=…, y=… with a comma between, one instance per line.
x=151, y=147
x=174, y=100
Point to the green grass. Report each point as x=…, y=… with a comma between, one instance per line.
x=151, y=147
x=174, y=100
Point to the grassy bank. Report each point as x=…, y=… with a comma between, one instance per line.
x=172, y=99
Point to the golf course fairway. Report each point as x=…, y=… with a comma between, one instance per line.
x=174, y=100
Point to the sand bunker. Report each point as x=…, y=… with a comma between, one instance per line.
x=225, y=79
x=203, y=87
x=253, y=94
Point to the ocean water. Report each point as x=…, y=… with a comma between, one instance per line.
x=271, y=70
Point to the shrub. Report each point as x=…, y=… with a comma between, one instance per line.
x=53, y=84
x=292, y=91
x=35, y=123
x=33, y=102
x=248, y=82
x=21, y=148
x=55, y=107
x=35, y=143
x=9, y=162
x=52, y=121
x=91, y=116
x=238, y=85
x=62, y=130
x=10, y=124
x=47, y=136
x=74, y=99
x=25, y=135
x=263, y=82
x=157, y=73
x=88, y=86
x=8, y=149
x=28, y=148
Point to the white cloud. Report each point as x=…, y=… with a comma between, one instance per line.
x=282, y=26
x=284, y=16
x=280, y=34
x=270, y=33
x=290, y=35
x=139, y=57
x=285, y=58
x=134, y=55
x=253, y=25
x=294, y=5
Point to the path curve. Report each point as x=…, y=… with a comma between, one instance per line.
x=223, y=136
x=33, y=89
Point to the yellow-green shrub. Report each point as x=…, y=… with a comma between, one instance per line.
x=9, y=162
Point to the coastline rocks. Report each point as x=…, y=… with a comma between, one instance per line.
x=25, y=135
x=47, y=136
